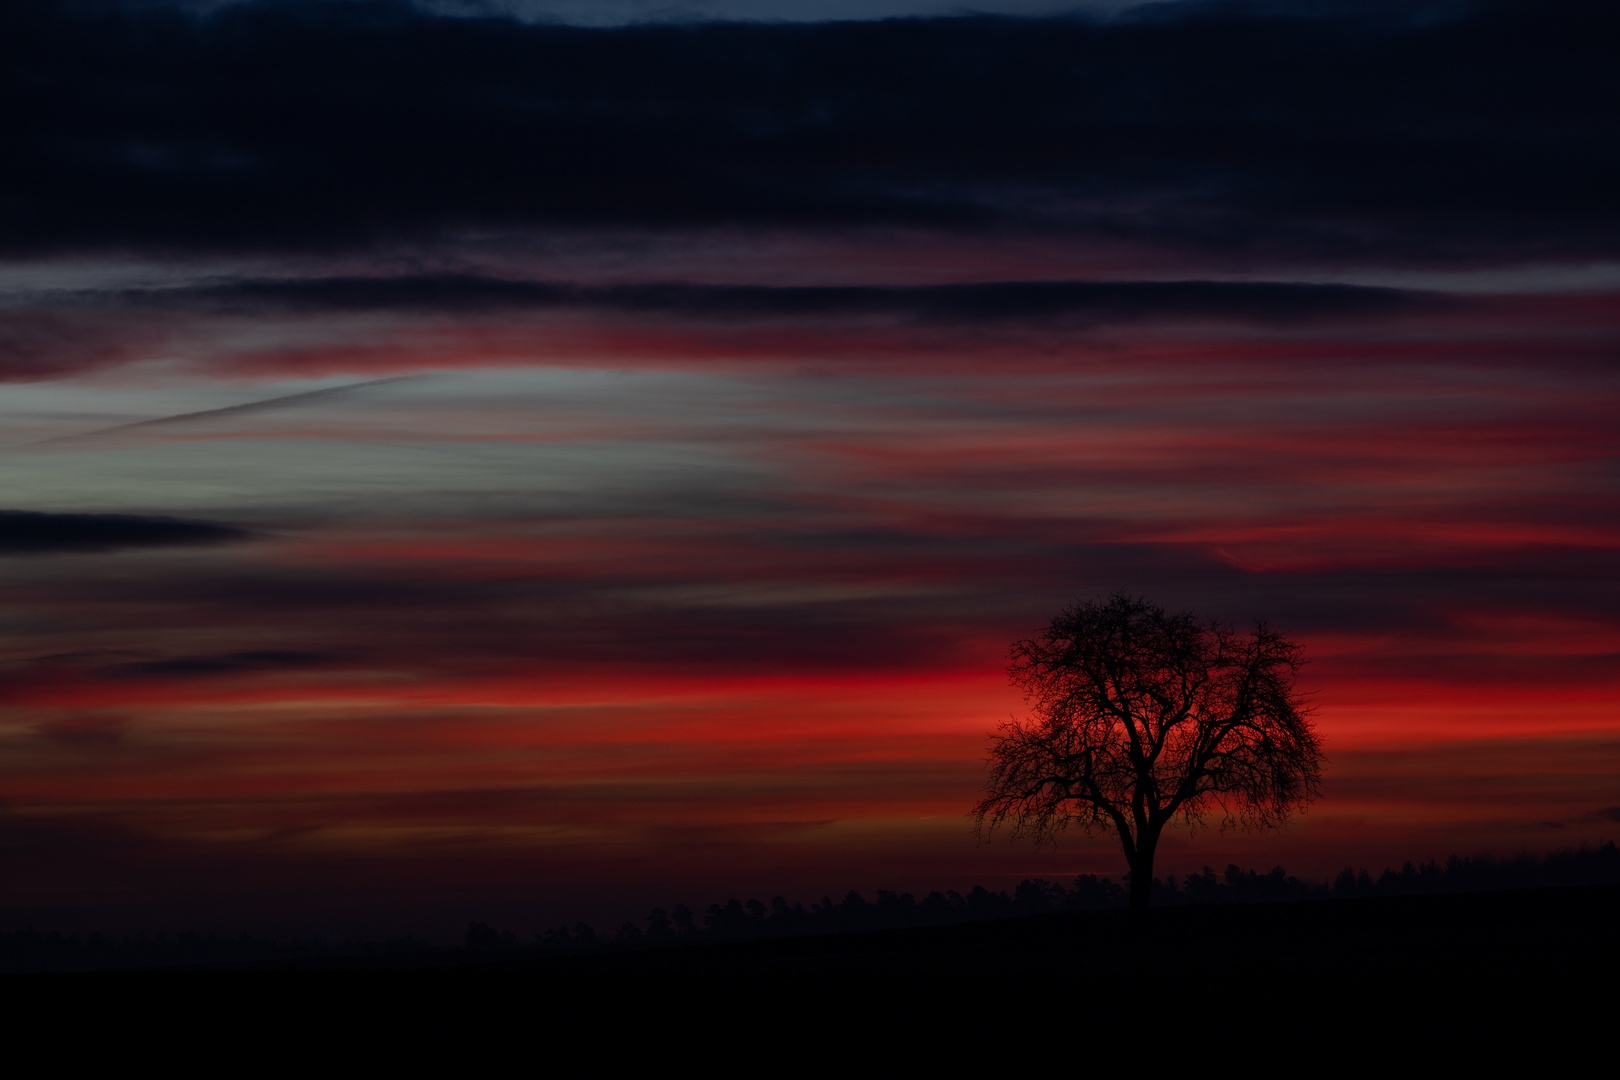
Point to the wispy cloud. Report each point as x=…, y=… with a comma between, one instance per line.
x=24, y=532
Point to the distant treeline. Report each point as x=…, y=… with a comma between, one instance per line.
x=752, y=918
x=32, y=950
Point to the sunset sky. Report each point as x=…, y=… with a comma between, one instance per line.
x=533, y=462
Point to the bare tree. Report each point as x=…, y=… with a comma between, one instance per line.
x=1141, y=718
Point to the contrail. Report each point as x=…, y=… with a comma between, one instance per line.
x=230, y=410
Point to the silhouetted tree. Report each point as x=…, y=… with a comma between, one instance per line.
x=787, y=919
x=1093, y=892
x=981, y=903
x=729, y=919
x=936, y=907
x=1140, y=718
x=481, y=937
x=1038, y=895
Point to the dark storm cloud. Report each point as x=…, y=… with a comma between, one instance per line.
x=1387, y=131
x=24, y=532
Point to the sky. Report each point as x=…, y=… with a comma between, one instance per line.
x=532, y=462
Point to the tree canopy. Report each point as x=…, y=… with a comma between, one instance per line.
x=1140, y=718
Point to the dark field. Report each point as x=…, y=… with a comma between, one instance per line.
x=1423, y=977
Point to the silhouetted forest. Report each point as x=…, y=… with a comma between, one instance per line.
x=1034, y=896
x=32, y=950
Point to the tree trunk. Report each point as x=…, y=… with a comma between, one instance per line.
x=1141, y=886
x=1142, y=881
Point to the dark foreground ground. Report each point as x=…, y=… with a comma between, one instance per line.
x=1298, y=985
